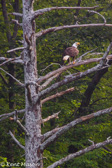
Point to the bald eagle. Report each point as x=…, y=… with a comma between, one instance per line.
x=71, y=52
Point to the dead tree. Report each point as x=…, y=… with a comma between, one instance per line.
x=38, y=87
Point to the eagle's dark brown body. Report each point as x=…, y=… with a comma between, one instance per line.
x=71, y=51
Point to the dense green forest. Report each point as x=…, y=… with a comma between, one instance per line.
x=90, y=94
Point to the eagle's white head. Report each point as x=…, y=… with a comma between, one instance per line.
x=76, y=44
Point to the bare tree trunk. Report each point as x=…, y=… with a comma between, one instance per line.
x=33, y=110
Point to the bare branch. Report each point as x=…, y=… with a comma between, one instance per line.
x=48, y=81
x=3, y=58
x=64, y=68
x=19, y=123
x=7, y=115
x=81, y=152
x=17, y=142
x=15, y=49
x=42, y=11
x=50, y=117
x=21, y=84
x=54, y=29
x=12, y=60
x=49, y=66
x=97, y=53
x=59, y=94
x=16, y=14
x=91, y=11
x=69, y=79
x=16, y=21
x=80, y=58
x=72, y=124
x=8, y=60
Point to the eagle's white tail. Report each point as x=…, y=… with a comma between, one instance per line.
x=66, y=57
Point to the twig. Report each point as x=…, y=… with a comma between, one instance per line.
x=80, y=58
x=91, y=11
x=19, y=123
x=50, y=133
x=91, y=141
x=48, y=81
x=17, y=142
x=16, y=21
x=58, y=95
x=21, y=84
x=16, y=14
x=10, y=59
x=51, y=117
x=49, y=66
x=97, y=53
x=15, y=49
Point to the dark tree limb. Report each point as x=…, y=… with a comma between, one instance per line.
x=89, y=91
x=6, y=20
x=16, y=8
x=91, y=87
x=3, y=79
x=71, y=125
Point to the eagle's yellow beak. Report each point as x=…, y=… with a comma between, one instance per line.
x=78, y=43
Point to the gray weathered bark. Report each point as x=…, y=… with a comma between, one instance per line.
x=33, y=112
